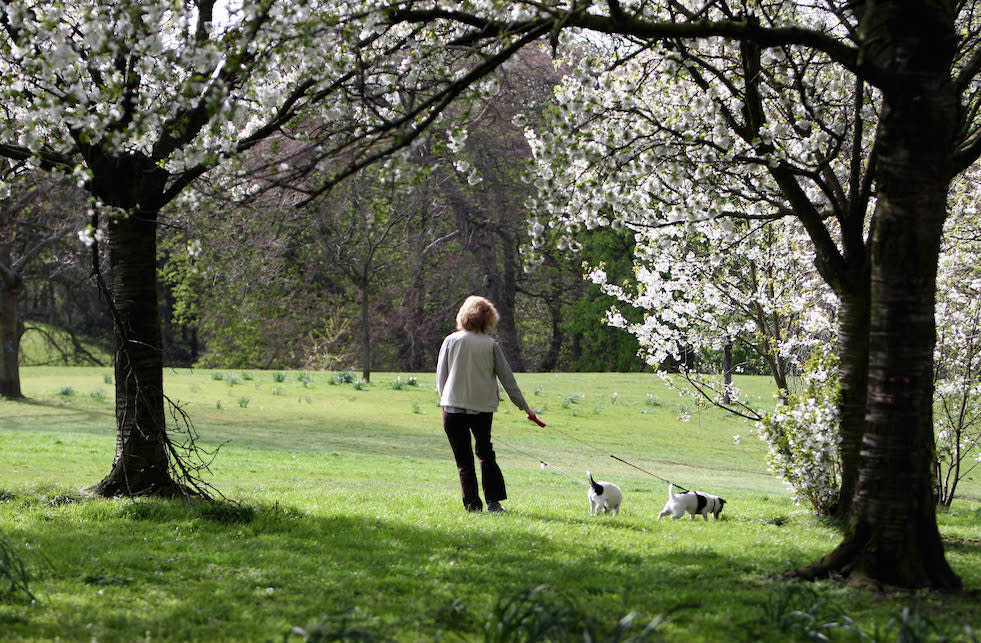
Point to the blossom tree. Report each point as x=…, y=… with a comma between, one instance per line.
x=869, y=188
x=958, y=351
x=702, y=285
x=137, y=99
x=720, y=257
x=730, y=237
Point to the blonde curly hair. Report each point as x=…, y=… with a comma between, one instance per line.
x=477, y=314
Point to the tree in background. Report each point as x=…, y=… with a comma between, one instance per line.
x=579, y=339
x=457, y=238
x=36, y=214
x=254, y=305
x=360, y=232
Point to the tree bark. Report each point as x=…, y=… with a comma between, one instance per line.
x=853, y=370
x=892, y=537
x=500, y=285
x=726, y=372
x=11, y=284
x=365, y=330
x=142, y=461
x=551, y=359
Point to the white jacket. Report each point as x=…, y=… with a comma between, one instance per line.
x=466, y=372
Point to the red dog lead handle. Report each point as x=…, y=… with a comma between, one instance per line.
x=536, y=420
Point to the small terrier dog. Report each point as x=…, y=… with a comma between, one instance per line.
x=693, y=502
x=603, y=496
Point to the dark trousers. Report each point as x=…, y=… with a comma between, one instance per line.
x=459, y=427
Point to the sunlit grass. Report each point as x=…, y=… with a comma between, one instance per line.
x=349, y=513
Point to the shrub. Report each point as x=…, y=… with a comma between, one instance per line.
x=346, y=377
x=802, y=432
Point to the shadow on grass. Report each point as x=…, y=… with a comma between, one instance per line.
x=70, y=416
x=177, y=570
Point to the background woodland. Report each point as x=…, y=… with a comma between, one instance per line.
x=367, y=277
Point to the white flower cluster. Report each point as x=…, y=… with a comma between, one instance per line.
x=803, y=438
x=89, y=236
x=656, y=142
x=144, y=77
x=957, y=352
x=640, y=144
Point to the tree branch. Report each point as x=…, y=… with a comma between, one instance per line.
x=427, y=113
x=620, y=24
x=49, y=160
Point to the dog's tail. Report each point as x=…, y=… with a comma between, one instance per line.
x=597, y=488
x=671, y=490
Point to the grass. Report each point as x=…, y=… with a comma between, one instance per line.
x=349, y=524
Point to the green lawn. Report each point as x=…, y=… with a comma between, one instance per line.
x=349, y=520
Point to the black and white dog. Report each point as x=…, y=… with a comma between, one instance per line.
x=603, y=496
x=693, y=502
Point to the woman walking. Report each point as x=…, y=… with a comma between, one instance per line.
x=470, y=364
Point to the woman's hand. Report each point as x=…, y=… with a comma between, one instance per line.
x=534, y=418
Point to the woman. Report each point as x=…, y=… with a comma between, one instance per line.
x=469, y=365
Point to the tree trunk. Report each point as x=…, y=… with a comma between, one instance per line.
x=11, y=285
x=892, y=537
x=499, y=273
x=142, y=462
x=727, y=372
x=551, y=359
x=365, y=331
x=853, y=370
x=412, y=353
x=500, y=287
